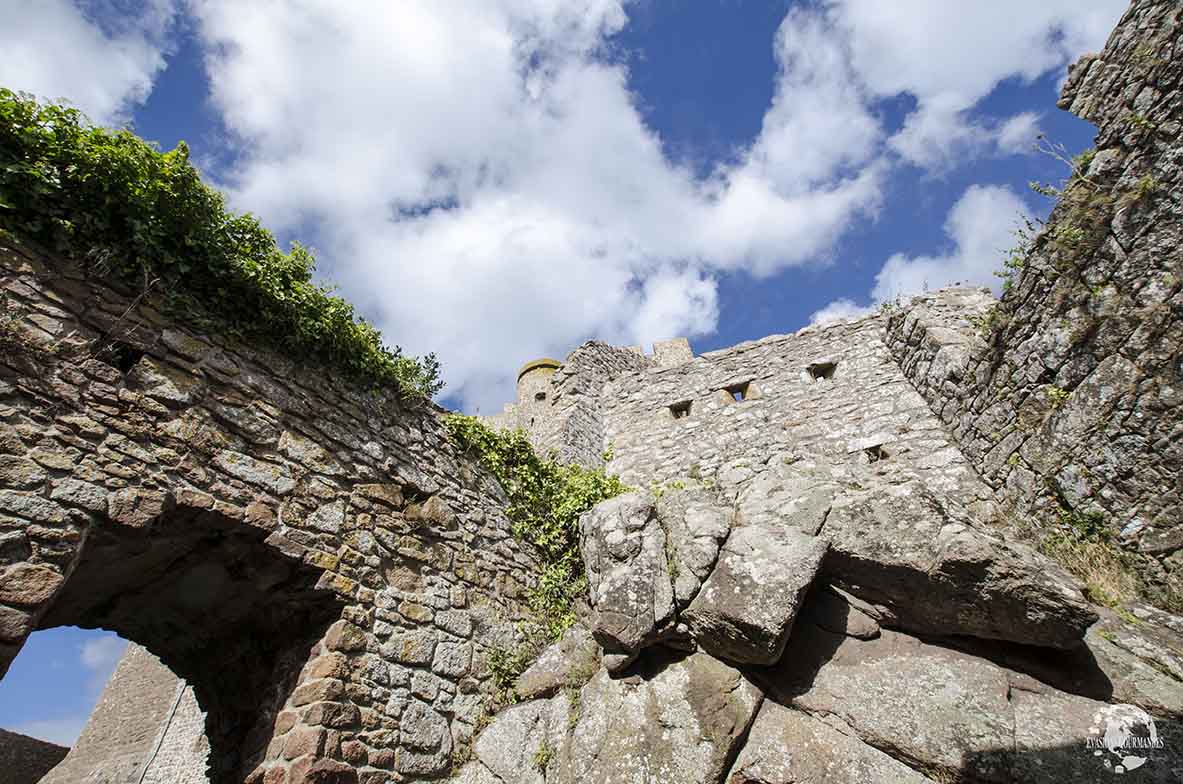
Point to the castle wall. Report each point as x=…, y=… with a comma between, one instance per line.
x=791, y=411
x=25, y=760
x=576, y=434
x=307, y=555
x=1071, y=396
x=125, y=735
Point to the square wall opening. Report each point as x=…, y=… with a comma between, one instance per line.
x=738, y=392
x=822, y=371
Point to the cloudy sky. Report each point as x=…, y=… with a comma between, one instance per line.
x=495, y=180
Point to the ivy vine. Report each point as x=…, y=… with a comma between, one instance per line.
x=139, y=214
x=546, y=500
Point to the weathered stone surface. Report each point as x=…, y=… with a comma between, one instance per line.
x=786, y=746
x=28, y=584
x=676, y=721
x=904, y=439
x=932, y=707
x=25, y=760
x=745, y=610
x=508, y=749
x=902, y=547
x=242, y=514
x=799, y=498
x=1053, y=733
x=624, y=553
x=837, y=611
x=947, y=711
x=695, y=524
x=572, y=660
x=1073, y=399
x=1142, y=663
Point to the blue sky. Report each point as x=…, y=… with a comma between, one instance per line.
x=501, y=180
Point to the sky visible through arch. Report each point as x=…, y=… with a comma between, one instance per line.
x=499, y=180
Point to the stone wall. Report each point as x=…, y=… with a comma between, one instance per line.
x=833, y=392
x=314, y=559
x=811, y=568
x=1072, y=400
x=577, y=432
x=25, y=760
x=128, y=734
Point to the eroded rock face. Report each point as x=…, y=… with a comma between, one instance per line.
x=786, y=746
x=695, y=524
x=903, y=547
x=624, y=553
x=941, y=709
x=570, y=661
x=671, y=720
x=745, y=610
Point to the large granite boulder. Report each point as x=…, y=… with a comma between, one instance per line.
x=569, y=662
x=901, y=546
x=671, y=720
x=786, y=746
x=624, y=553
x=745, y=610
x=676, y=720
x=951, y=713
x=695, y=524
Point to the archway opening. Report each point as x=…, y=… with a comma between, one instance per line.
x=222, y=609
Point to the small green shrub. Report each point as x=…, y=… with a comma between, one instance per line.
x=1016, y=256
x=543, y=755
x=505, y=666
x=1056, y=396
x=546, y=499
x=1141, y=122
x=1083, y=544
x=141, y=215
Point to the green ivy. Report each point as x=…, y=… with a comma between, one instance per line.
x=546, y=499
x=145, y=216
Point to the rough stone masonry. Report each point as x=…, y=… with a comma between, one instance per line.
x=818, y=576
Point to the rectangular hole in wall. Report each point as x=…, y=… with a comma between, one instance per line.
x=875, y=453
x=822, y=371
x=738, y=392
x=680, y=410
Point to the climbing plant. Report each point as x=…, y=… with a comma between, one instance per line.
x=131, y=211
x=546, y=499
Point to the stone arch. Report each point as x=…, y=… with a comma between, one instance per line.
x=314, y=558
x=231, y=615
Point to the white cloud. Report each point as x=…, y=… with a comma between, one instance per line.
x=951, y=55
x=57, y=49
x=477, y=175
x=483, y=185
x=981, y=227
x=1018, y=133
x=843, y=309
x=98, y=656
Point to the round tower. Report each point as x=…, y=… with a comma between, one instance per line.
x=534, y=381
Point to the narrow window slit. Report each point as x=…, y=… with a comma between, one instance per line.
x=680, y=410
x=540, y=396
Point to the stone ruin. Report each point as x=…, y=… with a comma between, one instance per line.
x=825, y=572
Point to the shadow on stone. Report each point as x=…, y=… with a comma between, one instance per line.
x=222, y=609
